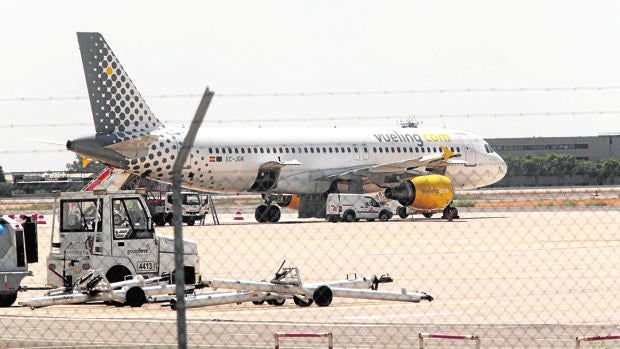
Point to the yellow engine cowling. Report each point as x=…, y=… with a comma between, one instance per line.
x=429, y=192
x=290, y=201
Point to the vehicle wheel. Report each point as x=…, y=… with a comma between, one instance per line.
x=117, y=273
x=160, y=221
x=260, y=214
x=384, y=216
x=301, y=302
x=135, y=297
x=348, y=216
x=273, y=214
x=276, y=302
x=370, y=220
x=427, y=214
x=258, y=302
x=191, y=221
x=6, y=300
x=333, y=219
x=402, y=212
x=323, y=296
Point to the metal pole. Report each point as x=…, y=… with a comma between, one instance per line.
x=179, y=273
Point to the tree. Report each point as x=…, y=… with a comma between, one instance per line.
x=6, y=189
x=91, y=167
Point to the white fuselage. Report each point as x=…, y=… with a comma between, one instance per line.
x=228, y=160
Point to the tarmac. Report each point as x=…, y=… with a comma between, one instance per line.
x=517, y=278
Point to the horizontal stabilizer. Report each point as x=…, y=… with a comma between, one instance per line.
x=135, y=147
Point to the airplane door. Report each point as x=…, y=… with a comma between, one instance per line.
x=360, y=152
x=132, y=237
x=470, y=153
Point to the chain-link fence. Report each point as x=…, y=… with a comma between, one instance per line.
x=518, y=269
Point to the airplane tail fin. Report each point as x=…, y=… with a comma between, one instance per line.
x=116, y=104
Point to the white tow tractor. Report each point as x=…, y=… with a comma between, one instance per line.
x=287, y=284
x=111, y=231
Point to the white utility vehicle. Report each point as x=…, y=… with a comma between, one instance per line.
x=353, y=207
x=162, y=207
x=18, y=248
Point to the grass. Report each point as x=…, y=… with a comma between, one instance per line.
x=27, y=207
x=464, y=203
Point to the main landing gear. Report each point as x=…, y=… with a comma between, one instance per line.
x=450, y=213
x=267, y=212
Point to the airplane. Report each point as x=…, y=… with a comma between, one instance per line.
x=291, y=167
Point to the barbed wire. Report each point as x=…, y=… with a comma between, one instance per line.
x=339, y=93
x=308, y=118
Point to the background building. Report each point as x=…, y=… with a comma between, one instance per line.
x=583, y=148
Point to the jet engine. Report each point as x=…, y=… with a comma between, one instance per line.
x=428, y=192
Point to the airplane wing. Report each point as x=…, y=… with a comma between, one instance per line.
x=400, y=167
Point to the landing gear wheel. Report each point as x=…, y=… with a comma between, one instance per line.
x=402, y=212
x=273, y=214
x=7, y=300
x=450, y=213
x=261, y=213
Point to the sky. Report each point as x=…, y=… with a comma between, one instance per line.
x=495, y=68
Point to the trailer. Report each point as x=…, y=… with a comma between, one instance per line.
x=18, y=248
x=287, y=283
x=93, y=287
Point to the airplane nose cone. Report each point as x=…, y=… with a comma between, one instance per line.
x=503, y=168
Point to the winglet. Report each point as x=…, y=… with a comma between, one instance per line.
x=447, y=153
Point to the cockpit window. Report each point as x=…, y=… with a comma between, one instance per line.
x=488, y=148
